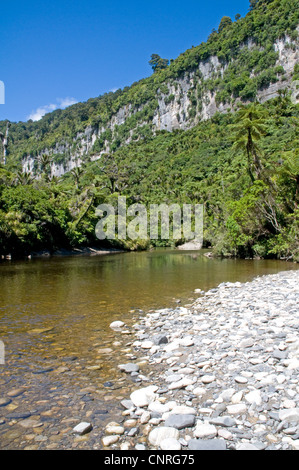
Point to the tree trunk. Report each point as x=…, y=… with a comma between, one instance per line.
x=256, y=161
x=297, y=192
x=249, y=163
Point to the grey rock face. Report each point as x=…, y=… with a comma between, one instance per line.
x=169, y=114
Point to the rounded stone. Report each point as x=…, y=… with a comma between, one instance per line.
x=208, y=379
x=159, y=434
x=254, y=397
x=117, y=324
x=210, y=444
x=205, y=431
x=237, y=409
x=129, y=368
x=5, y=401
x=114, y=428
x=109, y=440
x=240, y=379
x=82, y=428
x=180, y=421
x=170, y=444
x=144, y=396
x=147, y=345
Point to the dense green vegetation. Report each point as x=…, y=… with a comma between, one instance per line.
x=249, y=70
x=157, y=63
x=243, y=166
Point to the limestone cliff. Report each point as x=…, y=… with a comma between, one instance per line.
x=181, y=104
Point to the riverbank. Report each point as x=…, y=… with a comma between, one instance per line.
x=79, y=251
x=223, y=372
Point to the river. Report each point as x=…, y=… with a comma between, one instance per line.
x=62, y=357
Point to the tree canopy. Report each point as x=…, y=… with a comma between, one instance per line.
x=242, y=165
x=157, y=63
x=224, y=23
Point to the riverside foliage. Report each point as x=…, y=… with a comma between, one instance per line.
x=243, y=166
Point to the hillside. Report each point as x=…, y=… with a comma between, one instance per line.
x=191, y=133
x=251, y=58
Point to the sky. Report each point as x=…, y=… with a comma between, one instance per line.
x=59, y=52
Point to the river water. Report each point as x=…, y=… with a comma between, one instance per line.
x=61, y=356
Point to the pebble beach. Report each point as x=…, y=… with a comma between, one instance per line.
x=223, y=372
x=219, y=373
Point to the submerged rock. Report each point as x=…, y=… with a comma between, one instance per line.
x=129, y=368
x=82, y=428
x=117, y=324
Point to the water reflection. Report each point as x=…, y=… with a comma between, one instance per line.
x=107, y=286
x=55, y=316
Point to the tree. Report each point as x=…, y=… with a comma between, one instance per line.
x=253, y=3
x=116, y=172
x=256, y=3
x=157, y=63
x=249, y=130
x=45, y=161
x=226, y=21
x=77, y=172
x=290, y=169
x=24, y=178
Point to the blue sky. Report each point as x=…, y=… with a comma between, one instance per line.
x=55, y=53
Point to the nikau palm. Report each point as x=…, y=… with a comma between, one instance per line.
x=291, y=170
x=24, y=178
x=249, y=130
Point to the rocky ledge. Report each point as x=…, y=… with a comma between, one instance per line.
x=223, y=372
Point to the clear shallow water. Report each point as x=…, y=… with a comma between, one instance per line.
x=59, y=350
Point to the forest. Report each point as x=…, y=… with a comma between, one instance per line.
x=243, y=166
